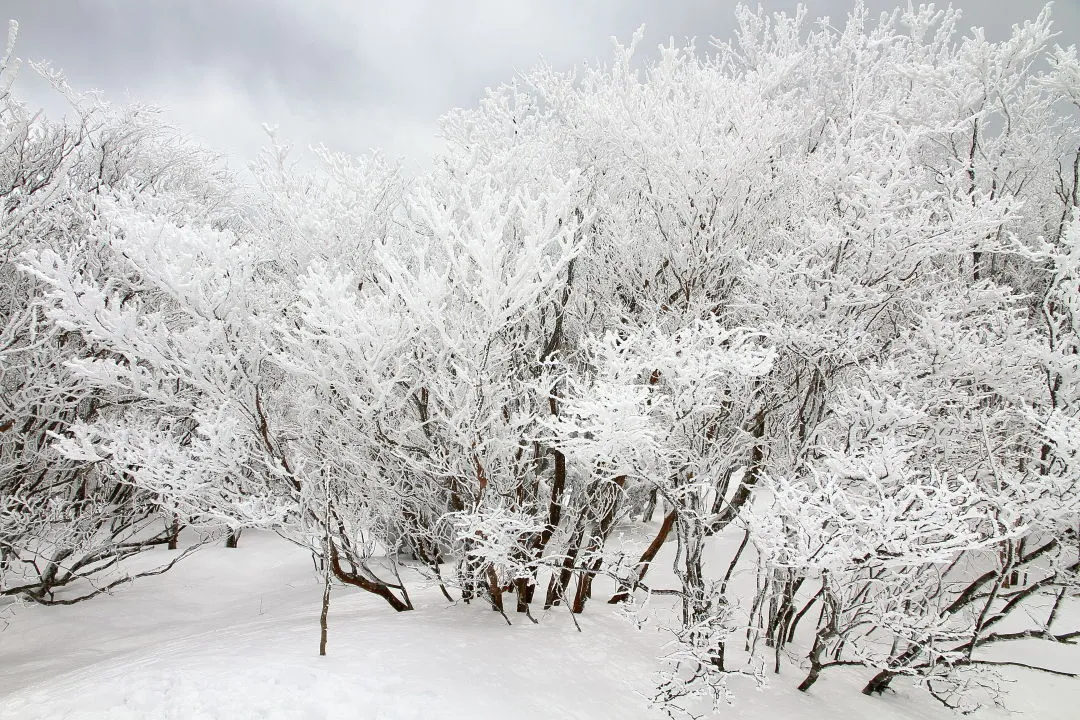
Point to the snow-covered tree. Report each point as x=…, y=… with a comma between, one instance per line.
x=65, y=521
x=815, y=287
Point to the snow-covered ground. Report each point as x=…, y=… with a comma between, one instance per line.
x=234, y=634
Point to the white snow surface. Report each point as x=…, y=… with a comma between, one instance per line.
x=233, y=633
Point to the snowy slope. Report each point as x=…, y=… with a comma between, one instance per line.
x=234, y=634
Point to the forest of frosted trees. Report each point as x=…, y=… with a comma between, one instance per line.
x=816, y=291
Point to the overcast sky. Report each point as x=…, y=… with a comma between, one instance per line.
x=358, y=75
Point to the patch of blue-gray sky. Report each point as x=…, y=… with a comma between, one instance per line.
x=361, y=75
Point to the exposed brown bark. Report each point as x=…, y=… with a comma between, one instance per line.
x=375, y=587
x=38, y=595
x=494, y=590
x=749, y=480
x=879, y=683
x=586, y=574
x=264, y=434
x=174, y=532
x=584, y=587
x=524, y=589
x=560, y=581
x=553, y=346
x=795, y=623
x=815, y=665
x=323, y=615
x=470, y=567
x=558, y=486
x=648, y=556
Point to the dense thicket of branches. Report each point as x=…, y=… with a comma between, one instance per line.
x=816, y=289
x=63, y=520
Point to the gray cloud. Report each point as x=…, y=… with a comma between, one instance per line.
x=359, y=75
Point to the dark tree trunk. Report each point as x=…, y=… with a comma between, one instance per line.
x=470, y=569
x=524, y=590
x=782, y=611
x=376, y=587
x=558, y=486
x=584, y=588
x=879, y=683
x=647, y=557
x=174, y=532
x=560, y=581
x=596, y=543
x=750, y=479
x=324, y=614
x=815, y=668
x=494, y=590
x=795, y=623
